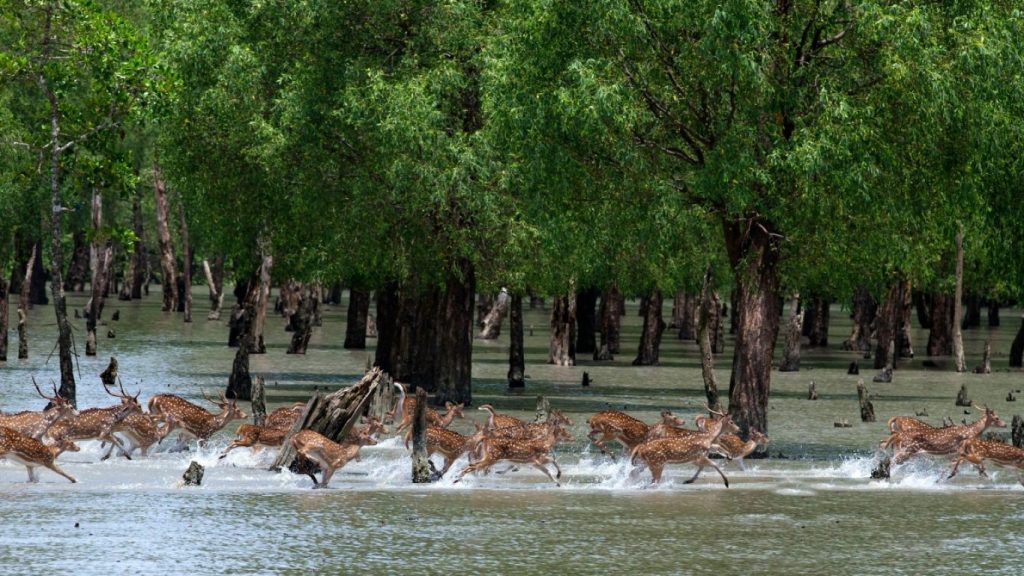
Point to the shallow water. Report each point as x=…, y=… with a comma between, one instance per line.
x=813, y=511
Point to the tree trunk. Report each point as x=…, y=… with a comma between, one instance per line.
x=259, y=401
x=484, y=304
x=516, y=357
x=135, y=274
x=37, y=288
x=683, y=307
x=355, y=327
x=611, y=319
x=707, y=358
x=420, y=461
x=1017, y=347
x=562, y=350
x=791, y=353
x=716, y=325
x=958, y=340
x=993, y=313
x=302, y=321
x=734, y=318
x=388, y=304
x=169, y=279
x=334, y=295
x=454, y=330
x=923, y=303
x=23, y=303
x=650, y=337
x=753, y=253
x=818, y=323
x=75, y=281
x=215, y=285
x=886, y=326
x=3, y=319
x=973, y=317
x=101, y=262
x=240, y=381
x=940, y=337
x=491, y=328
x=586, y=321
x=865, y=309
x=257, y=345
x=186, y=267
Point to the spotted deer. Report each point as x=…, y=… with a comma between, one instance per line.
x=907, y=424
x=938, y=441
x=328, y=454
x=452, y=445
x=142, y=432
x=496, y=421
x=452, y=411
x=97, y=423
x=976, y=451
x=34, y=424
x=520, y=450
x=32, y=453
x=627, y=430
x=656, y=453
x=176, y=412
x=734, y=448
x=285, y=416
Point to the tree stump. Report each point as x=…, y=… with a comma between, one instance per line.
x=543, y=410
x=884, y=377
x=1017, y=431
x=867, y=410
x=854, y=368
x=109, y=376
x=420, y=460
x=194, y=475
x=812, y=392
x=22, y=335
x=881, y=471
x=986, y=360
x=961, y=397
x=586, y=380
x=115, y=316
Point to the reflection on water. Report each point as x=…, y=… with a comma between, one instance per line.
x=813, y=511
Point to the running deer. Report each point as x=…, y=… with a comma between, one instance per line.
x=176, y=412
x=452, y=445
x=97, y=423
x=976, y=451
x=656, y=453
x=939, y=441
x=285, y=416
x=329, y=454
x=32, y=453
x=141, y=431
x=34, y=424
x=496, y=421
x=630, y=432
x=907, y=424
x=256, y=437
x=452, y=411
x=733, y=447
x=534, y=451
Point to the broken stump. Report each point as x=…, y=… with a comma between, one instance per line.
x=881, y=470
x=867, y=410
x=812, y=392
x=1017, y=431
x=109, y=376
x=961, y=397
x=194, y=475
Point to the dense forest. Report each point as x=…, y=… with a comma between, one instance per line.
x=745, y=163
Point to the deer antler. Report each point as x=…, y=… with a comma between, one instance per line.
x=40, y=392
x=208, y=399
x=708, y=408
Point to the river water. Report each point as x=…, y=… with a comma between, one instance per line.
x=810, y=508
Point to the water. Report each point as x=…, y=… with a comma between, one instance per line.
x=813, y=511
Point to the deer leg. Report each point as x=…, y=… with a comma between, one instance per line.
x=32, y=474
x=61, y=472
x=743, y=467
x=705, y=461
x=230, y=447
x=700, y=467
x=656, y=470
x=113, y=440
x=544, y=469
x=325, y=478
x=956, y=466
x=110, y=450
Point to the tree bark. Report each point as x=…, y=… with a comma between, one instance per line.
x=940, y=337
x=491, y=328
x=257, y=345
x=1017, y=347
x=79, y=267
x=455, y=336
x=484, y=304
x=302, y=321
x=388, y=304
x=753, y=253
x=886, y=326
x=716, y=325
x=135, y=274
x=562, y=350
x=683, y=315
x=516, y=357
x=4, y=319
x=240, y=381
x=791, y=353
x=101, y=262
x=186, y=267
x=215, y=285
x=37, y=288
x=707, y=358
x=23, y=303
x=355, y=327
x=865, y=309
x=586, y=321
x=650, y=336
x=923, y=303
x=420, y=462
x=958, y=340
x=169, y=279
x=993, y=313
x=611, y=318
x=973, y=317
x=334, y=294
x=818, y=323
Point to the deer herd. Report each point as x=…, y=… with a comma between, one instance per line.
x=36, y=439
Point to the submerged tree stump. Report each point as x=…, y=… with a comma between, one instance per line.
x=812, y=392
x=334, y=414
x=194, y=475
x=867, y=410
x=109, y=376
x=420, y=460
x=854, y=368
x=986, y=360
x=1017, y=431
x=881, y=471
x=543, y=410
x=961, y=397
x=259, y=401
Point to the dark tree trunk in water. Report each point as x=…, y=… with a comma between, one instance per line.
x=302, y=321
x=791, y=352
x=754, y=254
x=940, y=337
x=75, y=281
x=169, y=276
x=993, y=313
x=240, y=381
x=23, y=303
x=610, y=318
x=388, y=304
x=707, y=358
x=734, y=318
x=455, y=337
x=135, y=272
x=215, y=286
x=37, y=287
x=816, y=319
x=257, y=345
x=650, y=336
x=355, y=327
x=684, y=307
x=1017, y=348
x=484, y=305
x=186, y=268
x=864, y=311
x=4, y=319
x=516, y=357
x=491, y=326
x=334, y=295
x=923, y=303
x=958, y=341
x=973, y=317
x=716, y=324
x=562, y=351
x=102, y=256
x=887, y=325
x=903, y=342
x=586, y=321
